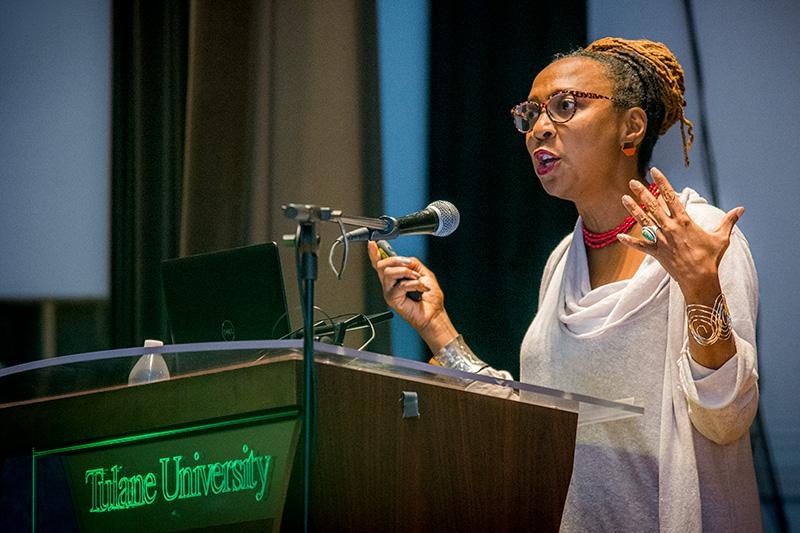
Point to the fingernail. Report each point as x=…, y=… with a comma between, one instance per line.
x=406, y=261
x=426, y=282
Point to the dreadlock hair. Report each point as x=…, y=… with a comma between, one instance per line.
x=645, y=74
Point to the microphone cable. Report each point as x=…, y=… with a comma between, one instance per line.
x=296, y=331
x=372, y=336
x=340, y=272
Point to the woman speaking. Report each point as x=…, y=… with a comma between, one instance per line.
x=652, y=296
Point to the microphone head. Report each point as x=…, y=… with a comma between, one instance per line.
x=448, y=217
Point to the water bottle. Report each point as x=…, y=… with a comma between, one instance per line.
x=150, y=366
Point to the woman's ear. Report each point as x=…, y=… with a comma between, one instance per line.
x=634, y=126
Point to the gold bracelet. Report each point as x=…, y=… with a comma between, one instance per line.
x=709, y=324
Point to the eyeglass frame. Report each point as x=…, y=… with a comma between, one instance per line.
x=541, y=105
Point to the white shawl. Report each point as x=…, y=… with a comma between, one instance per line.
x=706, y=476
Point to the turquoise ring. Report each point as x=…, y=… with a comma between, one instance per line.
x=649, y=233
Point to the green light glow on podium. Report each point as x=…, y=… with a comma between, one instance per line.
x=208, y=474
x=112, y=491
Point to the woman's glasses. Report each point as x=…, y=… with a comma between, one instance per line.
x=560, y=107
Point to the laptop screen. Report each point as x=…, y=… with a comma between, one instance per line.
x=228, y=295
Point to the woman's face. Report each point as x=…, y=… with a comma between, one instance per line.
x=579, y=157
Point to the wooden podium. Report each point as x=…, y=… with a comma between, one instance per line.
x=399, y=445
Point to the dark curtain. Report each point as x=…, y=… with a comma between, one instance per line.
x=484, y=56
x=228, y=49
x=282, y=100
x=224, y=111
x=149, y=64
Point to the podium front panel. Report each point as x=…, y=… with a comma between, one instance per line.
x=496, y=455
x=235, y=472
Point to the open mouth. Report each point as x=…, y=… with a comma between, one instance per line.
x=544, y=161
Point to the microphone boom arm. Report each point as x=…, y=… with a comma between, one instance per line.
x=382, y=224
x=312, y=213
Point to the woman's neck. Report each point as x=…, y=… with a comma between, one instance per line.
x=603, y=210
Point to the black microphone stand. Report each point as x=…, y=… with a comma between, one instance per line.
x=307, y=244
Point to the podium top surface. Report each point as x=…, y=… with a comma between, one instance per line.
x=84, y=373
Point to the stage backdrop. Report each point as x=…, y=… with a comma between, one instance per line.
x=483, y=60
x=225, y=111
x=753, y=48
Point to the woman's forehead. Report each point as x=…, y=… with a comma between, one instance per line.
x=576, y=73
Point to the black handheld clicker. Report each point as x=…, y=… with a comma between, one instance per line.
x=386, y=250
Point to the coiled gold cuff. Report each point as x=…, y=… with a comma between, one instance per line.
x=709, y=324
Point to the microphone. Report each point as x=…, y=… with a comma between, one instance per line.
x=439, y=219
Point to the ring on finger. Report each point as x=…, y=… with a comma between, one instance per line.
x=649, y=233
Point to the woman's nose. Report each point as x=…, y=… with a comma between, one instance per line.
x=543, y=128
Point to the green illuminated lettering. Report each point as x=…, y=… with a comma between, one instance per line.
x=97, y=503
x=186, y=478
x=122, y=497
x=149, y=483
x=119, y=492
x=113, y=501
x=238, y=478
x=263, y=474
x=111, y=490
x=204, y=476
x=169, y=496
x=219, y=478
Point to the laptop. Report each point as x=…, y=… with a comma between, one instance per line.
x=229, y=295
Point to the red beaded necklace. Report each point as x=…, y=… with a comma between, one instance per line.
x=601, y=240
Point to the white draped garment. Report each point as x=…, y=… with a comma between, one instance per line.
x=686, y=464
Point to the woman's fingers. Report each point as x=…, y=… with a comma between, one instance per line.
x=400, y=275
x=643, y=219
x=398, y=280
x=412, y=285
x=650, y=203
x=393, y=263
x=667, y=193
x=729, y=221
x=400, y=272
x=379, y=264
x=374, y=254
x=634, y=209
x=637, y=244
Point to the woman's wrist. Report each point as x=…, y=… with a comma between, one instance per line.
x=701, y=289
x=710, y=341
x=438, y=332
x=457, y=355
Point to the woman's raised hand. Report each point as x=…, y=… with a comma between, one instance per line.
x=687, y=252
x=401, y=275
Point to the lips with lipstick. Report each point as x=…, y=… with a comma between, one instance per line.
x=545, y=161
